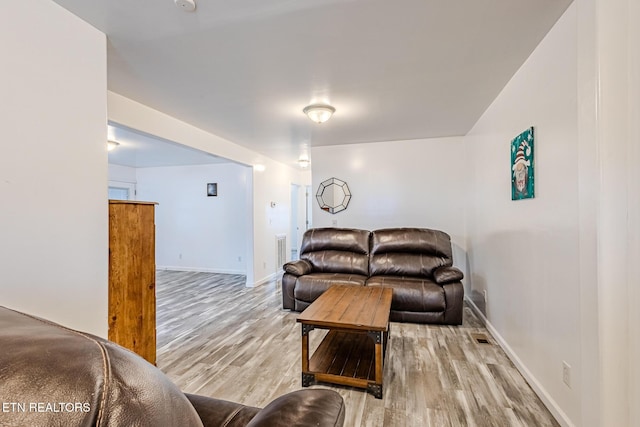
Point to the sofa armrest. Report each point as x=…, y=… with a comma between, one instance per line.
x=447, y=274
x=454, y=295
x=298, y=268
x=216, y=412
x=312, y=407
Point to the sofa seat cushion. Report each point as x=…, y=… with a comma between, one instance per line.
x=218, y=412
x=412, y=294
x=309, y=287
x=315, y=407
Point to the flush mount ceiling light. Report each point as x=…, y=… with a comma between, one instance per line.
x=319, y=113
x=186, y=5
x=111, y=145
x=304, y=163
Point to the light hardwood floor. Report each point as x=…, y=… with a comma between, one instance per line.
x=218, y=338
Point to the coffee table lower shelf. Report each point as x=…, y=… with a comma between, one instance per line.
x=345, y=358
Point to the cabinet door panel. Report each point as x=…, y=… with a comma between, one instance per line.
x=132, y=277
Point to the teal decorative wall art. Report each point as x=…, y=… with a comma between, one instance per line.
x=522, y=166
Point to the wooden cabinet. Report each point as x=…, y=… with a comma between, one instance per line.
x=132, y=277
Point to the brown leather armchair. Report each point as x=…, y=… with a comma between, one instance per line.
x=54, y=376
x=416, y=262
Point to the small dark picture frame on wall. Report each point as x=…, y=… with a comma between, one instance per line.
x=212, y=189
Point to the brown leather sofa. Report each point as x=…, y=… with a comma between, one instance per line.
x=54, y=376
x=416, y=262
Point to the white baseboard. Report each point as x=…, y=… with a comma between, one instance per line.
x=199, y=269
x=269, y=278
x=542, y=393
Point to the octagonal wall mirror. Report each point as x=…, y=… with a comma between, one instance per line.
x=333, y=195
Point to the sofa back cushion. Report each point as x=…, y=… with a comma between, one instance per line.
x=413, y=252
x=336, y=250
x=70, y=378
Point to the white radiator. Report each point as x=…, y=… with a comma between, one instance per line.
x=281, y=251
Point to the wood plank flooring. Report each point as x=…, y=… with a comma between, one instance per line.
x=218, y=338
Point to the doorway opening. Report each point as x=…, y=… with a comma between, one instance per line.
x=300, y=216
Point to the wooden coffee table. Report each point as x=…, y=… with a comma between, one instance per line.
x=352, y=353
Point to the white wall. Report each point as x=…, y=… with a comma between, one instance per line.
x=588, y=189
x=526, y=253
x=53, y=166
x=417, y=183
x=272, y=215
x=633, y=249
x=193, y=231
x=616, y=67
x=270, y=185
x=121, y=173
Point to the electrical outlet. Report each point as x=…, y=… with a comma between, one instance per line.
x=334, y=223
x=566, y=373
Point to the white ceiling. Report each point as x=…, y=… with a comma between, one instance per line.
x=245, y=69
x=138, y=150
